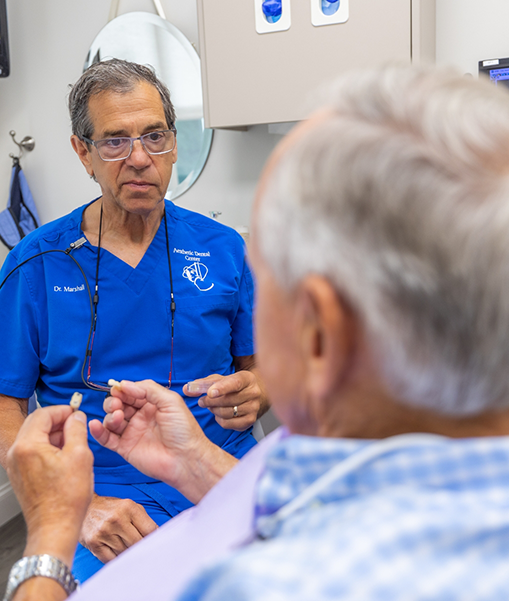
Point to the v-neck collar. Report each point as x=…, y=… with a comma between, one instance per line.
x=135, y=277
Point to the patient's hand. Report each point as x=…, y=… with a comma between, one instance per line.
x=50, y=468
x=152, y=428
x=112, y=525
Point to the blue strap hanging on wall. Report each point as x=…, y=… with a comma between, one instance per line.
x=20, y=217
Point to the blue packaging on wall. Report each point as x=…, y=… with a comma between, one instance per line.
x=329, y=8
x=272, y=9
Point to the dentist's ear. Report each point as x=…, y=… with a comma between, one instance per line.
x=174, y=153
x=82, y=150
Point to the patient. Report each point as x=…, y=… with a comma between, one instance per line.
x=381, y=252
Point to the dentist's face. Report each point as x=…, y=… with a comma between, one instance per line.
x=137, y=184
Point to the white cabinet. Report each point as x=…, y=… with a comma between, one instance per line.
x=251, y=78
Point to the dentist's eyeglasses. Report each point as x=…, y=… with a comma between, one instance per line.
x=120, y=148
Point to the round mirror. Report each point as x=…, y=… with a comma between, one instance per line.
x=148, y=39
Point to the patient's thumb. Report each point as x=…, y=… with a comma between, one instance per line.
x=75, y=430
x=80, y=416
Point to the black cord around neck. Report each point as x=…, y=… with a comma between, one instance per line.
x=172, y=298
x=96, y=288
x=96, y=297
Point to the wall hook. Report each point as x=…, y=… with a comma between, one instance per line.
x=27, y=144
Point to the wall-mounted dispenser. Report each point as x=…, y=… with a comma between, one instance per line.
x=250, y=78
x=272, y=15
x=329, y=12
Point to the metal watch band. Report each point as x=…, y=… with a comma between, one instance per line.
x=40, y=565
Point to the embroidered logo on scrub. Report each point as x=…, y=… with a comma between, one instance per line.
x=196, y=271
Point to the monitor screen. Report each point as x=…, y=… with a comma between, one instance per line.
x=497, y=70
x=500, y=76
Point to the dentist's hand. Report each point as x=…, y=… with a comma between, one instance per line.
x=237, y=400
x=152, y=428
x=113, y=525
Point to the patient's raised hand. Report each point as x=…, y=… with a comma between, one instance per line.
x=152, y=428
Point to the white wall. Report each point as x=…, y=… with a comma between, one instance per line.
x=469, y=31
x=49, y=40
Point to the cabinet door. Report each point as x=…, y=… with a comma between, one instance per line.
x=253, y=78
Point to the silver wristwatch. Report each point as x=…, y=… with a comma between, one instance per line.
x=39, y=565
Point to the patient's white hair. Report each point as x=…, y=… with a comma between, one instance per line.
x=401, y=199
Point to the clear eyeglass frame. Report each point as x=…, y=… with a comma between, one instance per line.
x=97, y=143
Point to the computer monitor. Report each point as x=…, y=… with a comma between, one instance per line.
x=497, y=69
x=4, y=41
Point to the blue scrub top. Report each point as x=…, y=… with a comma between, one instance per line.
x=45, y=316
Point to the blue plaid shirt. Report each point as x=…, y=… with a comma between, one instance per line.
x=426, y=521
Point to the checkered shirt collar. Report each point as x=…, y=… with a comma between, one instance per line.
x=455, y=464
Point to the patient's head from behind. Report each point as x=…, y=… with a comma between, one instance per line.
x=381, y=248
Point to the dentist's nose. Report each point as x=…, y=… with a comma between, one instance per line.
x=139, y=157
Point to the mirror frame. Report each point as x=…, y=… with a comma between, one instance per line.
x=134, y=19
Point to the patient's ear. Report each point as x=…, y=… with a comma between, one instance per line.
x=328, y=331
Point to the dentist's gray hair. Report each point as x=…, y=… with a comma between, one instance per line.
x=401, y=199
x=113, y=75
